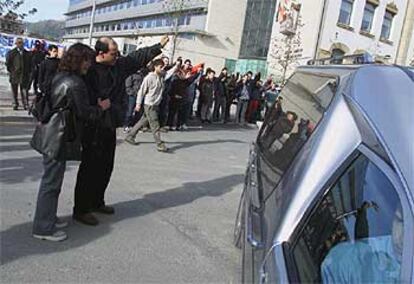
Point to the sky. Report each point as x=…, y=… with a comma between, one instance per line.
x=46, y=9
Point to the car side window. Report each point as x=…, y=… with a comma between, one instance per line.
x=290, y=122
x=355, y=235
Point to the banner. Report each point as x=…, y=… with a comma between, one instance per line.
x=287, y=16
x=7, y=43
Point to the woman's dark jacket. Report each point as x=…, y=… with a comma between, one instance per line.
x=69, y=97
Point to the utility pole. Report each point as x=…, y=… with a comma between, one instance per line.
x=92, y=21
x=321, y=24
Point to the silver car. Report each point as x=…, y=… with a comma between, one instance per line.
x=329, y=189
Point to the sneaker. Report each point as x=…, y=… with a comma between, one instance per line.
x=162, y=148
x=163, y=130
x=126, y=130
x=60, y=224
x=131, y=140
x=55, y=237
x=171, y=128
x=15, y=107
x=87, y=219
x=105, y=209
x=184, y=127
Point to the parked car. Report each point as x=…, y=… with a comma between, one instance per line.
x=329, y=188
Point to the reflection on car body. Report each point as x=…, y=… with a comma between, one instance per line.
x=329, y=186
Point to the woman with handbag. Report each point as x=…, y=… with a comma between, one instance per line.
x=58, y=137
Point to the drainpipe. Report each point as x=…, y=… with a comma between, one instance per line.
x=321, y=22
x=92, y=21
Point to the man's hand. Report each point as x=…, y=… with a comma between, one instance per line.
x=137, y=108
x=104, y=104
x=164, y=40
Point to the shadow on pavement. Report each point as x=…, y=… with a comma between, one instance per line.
x=16, y=242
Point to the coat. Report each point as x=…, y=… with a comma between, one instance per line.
x=108, y=82
x=19, y=67
x=60, y=136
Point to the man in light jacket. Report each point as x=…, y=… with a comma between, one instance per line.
x=151, y=94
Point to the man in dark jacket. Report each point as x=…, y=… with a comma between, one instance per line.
x=220, y=96
x=18, y=63
x=132, y=85
x=48, y=69
x=105, y=80
x=38, y=55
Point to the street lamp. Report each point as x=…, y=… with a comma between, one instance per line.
x=92, y=21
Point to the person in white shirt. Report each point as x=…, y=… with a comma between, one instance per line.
x=150, y=95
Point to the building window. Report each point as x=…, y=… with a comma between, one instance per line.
x=345, y=12
x=369, y=12
x=387, y=25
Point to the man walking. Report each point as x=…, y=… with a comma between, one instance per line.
x=105, y=80
x=18, y=63
x=151, y=93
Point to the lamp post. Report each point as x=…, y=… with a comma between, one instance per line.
x=92, y=21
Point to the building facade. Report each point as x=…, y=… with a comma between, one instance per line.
x=208, y=31
x=332, y=28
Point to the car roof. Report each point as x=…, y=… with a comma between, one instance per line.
x=385, y=94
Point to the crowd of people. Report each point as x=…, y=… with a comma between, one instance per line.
x=83, y=97
x=165, y=97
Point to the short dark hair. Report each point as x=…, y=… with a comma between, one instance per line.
x=102, y=44
x=51, y=47
x=158, y=62
x=74, y=57
x=225, y=68
x=249, y=72
x=187, y=60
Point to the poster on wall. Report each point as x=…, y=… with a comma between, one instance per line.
x=287, y=16
x=7, y=43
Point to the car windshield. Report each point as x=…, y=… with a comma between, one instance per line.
x=291, y=121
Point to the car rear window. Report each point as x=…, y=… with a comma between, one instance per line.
x=293, y=117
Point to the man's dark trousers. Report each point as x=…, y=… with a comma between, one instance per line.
x=95, y=169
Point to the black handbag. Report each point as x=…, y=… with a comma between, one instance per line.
x=48, y=138
x=59, y=138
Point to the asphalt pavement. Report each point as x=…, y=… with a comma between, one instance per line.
x=174, y=212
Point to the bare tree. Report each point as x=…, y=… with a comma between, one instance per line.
x=176, y=11
x=286, y=51
x=9, y=8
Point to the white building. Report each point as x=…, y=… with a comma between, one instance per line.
x=231, y=33
x=333, y=28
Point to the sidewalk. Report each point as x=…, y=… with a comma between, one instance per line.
x=6, y=102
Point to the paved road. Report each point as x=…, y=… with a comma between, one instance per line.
x=174, y=212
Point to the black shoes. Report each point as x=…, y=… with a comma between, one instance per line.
x=87, y=219
x=105, y=209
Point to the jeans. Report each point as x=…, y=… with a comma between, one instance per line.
x=219, y=109
x=241, y=111
x=150, y=116
x=130, y=111
x=47, y=199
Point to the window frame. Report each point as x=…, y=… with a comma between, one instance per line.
x=352, y=2
x=391, y=25
x=372, y=19
x=407, y=259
